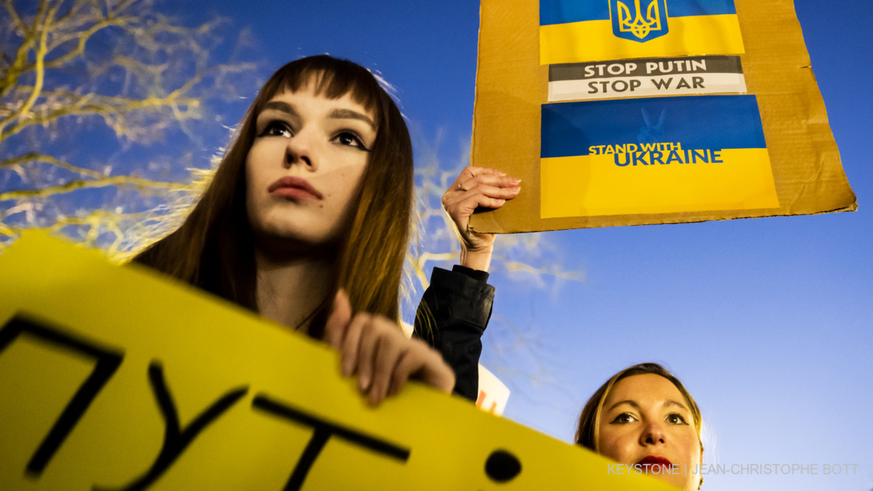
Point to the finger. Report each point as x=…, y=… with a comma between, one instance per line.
x=472, y=171
x=410, y=362
x=366, y=352
x=427, y=365
x=349, y=349
x=461, y=209
x=490, y=180
x=389, y=350
x=436, y=373
x=494, y=191
x=461, y=206
x=341, y=313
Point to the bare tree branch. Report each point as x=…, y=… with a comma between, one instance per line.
x=16, y=19
x=48, y=159
x=142, y=185
x=113, y=109
x=98, y=221
x=557, y=272
x=82, y=38
x=40, y=77
x=66, y=65
x=21, y=54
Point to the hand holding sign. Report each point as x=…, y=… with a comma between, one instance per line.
x=384, y=359
x=477, y=187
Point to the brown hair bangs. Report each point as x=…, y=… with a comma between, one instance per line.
x=327, y=77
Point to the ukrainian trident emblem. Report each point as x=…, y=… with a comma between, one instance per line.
x=646, y=20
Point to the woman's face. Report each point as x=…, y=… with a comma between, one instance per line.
x=645, y=420
x=304, y=168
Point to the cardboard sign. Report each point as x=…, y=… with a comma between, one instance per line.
x=113, y=378
x=630, y=112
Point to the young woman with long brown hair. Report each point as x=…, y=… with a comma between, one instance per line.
x=306, y=221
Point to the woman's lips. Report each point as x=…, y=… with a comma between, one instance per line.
x=652, y=461
x=294, y=187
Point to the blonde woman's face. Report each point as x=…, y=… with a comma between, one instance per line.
x=646, y=421
x=304, y=167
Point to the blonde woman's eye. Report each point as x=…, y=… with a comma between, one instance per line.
x=676, y=419
x=623, y=418
x=350, y=140
x=277, y=128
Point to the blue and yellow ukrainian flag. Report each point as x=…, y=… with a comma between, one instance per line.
x=656, y=155
x=577, y=31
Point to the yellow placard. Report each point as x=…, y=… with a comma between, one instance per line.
x=115, y=378
x=640, y=182
x=727, y=76
x=579, y=42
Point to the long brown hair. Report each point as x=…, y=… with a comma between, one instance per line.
x=588, y=431
x=214, y=247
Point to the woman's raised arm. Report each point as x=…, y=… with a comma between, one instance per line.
x=456, y=307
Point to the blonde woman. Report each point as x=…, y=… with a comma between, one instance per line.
x=645, y=419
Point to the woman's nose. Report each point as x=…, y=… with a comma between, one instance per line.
x=300, y=151
x=653, y=434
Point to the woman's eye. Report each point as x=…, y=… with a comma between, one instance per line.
x=676, y=419
x=623, y=418
x=350, y=140
x=277, y=128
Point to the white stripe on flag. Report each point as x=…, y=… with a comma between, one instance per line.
x=627, y=87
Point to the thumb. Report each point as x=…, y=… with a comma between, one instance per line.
x=340, y=315
x=439, y=376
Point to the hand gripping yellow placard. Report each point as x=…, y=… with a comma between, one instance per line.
x=112, y=378
x=631, y=112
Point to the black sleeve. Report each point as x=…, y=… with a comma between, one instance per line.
x=452, y=316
